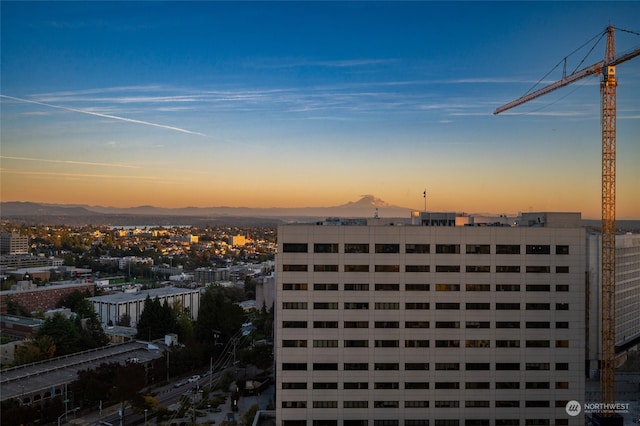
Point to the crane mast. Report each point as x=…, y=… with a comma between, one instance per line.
x=608, y=85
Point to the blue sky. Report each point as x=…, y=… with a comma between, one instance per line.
x=311, y=103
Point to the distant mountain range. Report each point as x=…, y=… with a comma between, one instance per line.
x=366, y=206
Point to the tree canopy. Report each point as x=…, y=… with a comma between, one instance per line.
x=59, y=336
x=156, y=320
x=110, y=382
x=218, y=312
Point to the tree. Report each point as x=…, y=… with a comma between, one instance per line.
x=259, y=355
x=77, y=302
x=73, y=335
x=263, y=323
x=15, y=308
x=249, y=415
x=63, y=332
x=185, y=329
x=144, y=402
x=168, y=318
x=93, y=333
x=110, y=382
x=7, y=282
x=249, y=288
x=156, y=320
x=217, y=312
x=227, y=378
x=125, y=320
x=35, y=350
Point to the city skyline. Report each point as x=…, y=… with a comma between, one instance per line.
x=290, y=104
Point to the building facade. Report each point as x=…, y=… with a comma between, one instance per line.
x=13, y=244
x=627, y=297
x=111, y=308
x=43, y=298
x=435, y=323
x=210, y=275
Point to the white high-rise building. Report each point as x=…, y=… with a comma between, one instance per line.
x=432, y=321
x=627, y=297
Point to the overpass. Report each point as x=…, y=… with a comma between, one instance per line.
x=35, y=382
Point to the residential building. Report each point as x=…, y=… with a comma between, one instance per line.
x=432, y=321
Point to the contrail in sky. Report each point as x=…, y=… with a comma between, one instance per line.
x=6, y=157
x=112, y=117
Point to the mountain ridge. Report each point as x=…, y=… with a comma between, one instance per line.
x=367, y=206
x=78, y=214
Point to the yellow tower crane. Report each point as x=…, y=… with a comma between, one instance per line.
x=608, y=84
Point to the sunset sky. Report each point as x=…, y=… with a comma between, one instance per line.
x=287, y=104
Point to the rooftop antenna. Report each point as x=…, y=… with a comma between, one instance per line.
x=424, y=194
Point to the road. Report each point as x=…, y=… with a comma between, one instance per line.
x=169, y=395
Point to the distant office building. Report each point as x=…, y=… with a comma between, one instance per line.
x=111, y=308
x=9, y=262
x=265, y=291
x=237, y=240
x=627, y=318
x=431, y=321
x=44, y=273
x=211, y=275
x=13, y=244
x=185, y=239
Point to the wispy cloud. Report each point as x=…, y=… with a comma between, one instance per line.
x=319, y=102
x=336, y=63
x=83, y=163
x=36, y=113
x=348, y=63
x=109, y=116
x=86, y=175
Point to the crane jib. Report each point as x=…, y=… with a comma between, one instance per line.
x=595, y=69
x=608, y=86
x=585, y=72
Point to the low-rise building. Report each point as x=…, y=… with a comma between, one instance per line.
x=43, y=298
x=111, y=308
